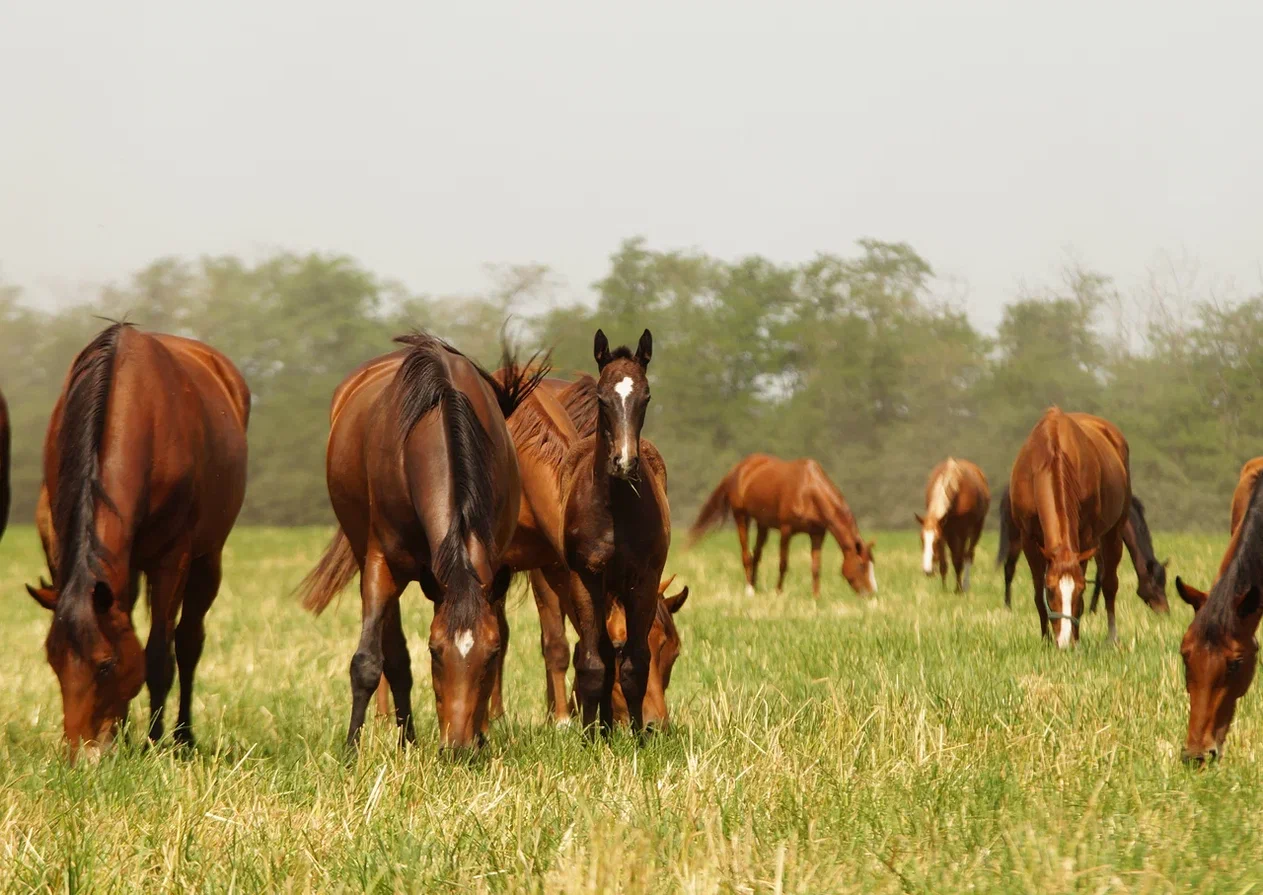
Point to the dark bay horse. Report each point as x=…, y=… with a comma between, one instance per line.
x=1151, y=574
x=595, y=519
x=425, y=485
x=793, y=496
x=1219, y=649
x=144, y=473
x=4, y=465
x=957, y=498
x=1069, y=493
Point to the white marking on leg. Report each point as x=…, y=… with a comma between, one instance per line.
x=872, y=577
x=562, y=723
x=1066, y=589
x=464, y=642
x=749, y=590
x=927, y=554
x=965, y=582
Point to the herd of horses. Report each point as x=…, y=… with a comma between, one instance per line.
x=443, y=473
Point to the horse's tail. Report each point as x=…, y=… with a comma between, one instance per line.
x=1006, y=529
x=332, y=573
x=4, y=466
x=515, y=381
x=715, y=510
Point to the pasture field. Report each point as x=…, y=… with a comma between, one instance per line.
x=917, y=742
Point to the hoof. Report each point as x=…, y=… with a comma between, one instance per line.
x=749, y=590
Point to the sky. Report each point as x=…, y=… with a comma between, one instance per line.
x=430, y=139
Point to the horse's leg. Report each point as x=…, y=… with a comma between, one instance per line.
x=940, y=551
x=396, y=672
x=499, y=591
x=377, y=589
x=1035, y=559
x=1096, y=587
x=593, y=654
x=956, y=544
x=166, y=590
x=382, y=697
x=743, y=536
x=552, y=640
x=760, y=539
x=786, y=534
x=633, y=673
x=970, y=548
x=817, y=542
x=1111, y=554
x=1010, y=567
x=205, y=575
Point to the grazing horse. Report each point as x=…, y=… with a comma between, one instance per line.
x=425, y=486
x=1151, y=575
x=956, y=502
x=792, y=496
x=1069, y=493
x=4, y=465
x=1219, y=649
x=144, y=472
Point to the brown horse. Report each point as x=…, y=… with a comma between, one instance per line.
x=794, y=497
x=424, y=482
x=1069, y=493
x=956, y=502
x=144, y=472
x=1219, y=648
x=595, y=517
x=4, y=465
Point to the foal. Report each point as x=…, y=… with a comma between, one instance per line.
x=956, y=502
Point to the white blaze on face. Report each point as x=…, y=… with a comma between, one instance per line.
x=872, y=577
x=464, y=642
x=624, y=390
x=927, y=556
x=1065, y=587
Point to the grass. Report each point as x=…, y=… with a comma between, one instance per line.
x=919, y=742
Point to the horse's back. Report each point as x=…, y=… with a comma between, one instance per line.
x=973, y=493
x=1245, y=487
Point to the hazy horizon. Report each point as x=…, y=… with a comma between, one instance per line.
x=428, y=142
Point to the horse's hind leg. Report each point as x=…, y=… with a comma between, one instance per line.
x=742, y=522
x=397, y=672
x=970, y=548
x=499, y=590
x=1111, y=555
x=760, y=539
x=166, y=590
x=786, y=534
x=1010, y=568
x=377, y=589
x=957, y=548
x=552, y=640
x=200, y=591
x=817, y=543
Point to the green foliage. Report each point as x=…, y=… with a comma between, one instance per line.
x=850, y=359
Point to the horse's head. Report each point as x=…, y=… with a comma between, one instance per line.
x=100, y=665
x=623, y=394
x=859, y=568
x=1064, y=582
x=664, y=649
x=1153, y=587
x=1220, y=655
x=931, y=535
x=464, y=643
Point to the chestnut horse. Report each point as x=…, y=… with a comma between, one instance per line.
x=794, y=497
x=144, y=472
x=596, y=521
x=1151, y=575
x=956, y=502
x=4, y=465
x=1219, y=648
x=425, y=485
x=1069, y=493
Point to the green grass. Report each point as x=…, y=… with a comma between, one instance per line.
x=920, y=742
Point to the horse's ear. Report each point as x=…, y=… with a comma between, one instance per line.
x=674, y=604
x=871, y=545
x=664, y=584
x=920, y=519
x=1248, y=606
x=1086, y=555
x=1191, y=595
x=644, y=351
x=1166, y=562
x=1048, y=554
x=601, y=349
x=44, y=594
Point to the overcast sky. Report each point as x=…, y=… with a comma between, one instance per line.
x=427, y=139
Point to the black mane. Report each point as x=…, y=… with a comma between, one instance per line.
x=1218, y=617
x=1144, y=543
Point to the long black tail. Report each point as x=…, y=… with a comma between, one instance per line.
x=1006, y=529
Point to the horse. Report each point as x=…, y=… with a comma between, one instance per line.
x=144, y=473
x=957, y=498
x=425, y=486
x=1219, y=649
x=1151, y=575
x=794, y=496
x=4, y=465
x=1069, y=492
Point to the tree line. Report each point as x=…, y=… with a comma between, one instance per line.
x=852, y=359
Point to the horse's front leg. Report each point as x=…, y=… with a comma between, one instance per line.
x=593, y=654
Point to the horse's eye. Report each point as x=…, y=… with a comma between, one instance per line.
x=106, y=668
x=1234, y=665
